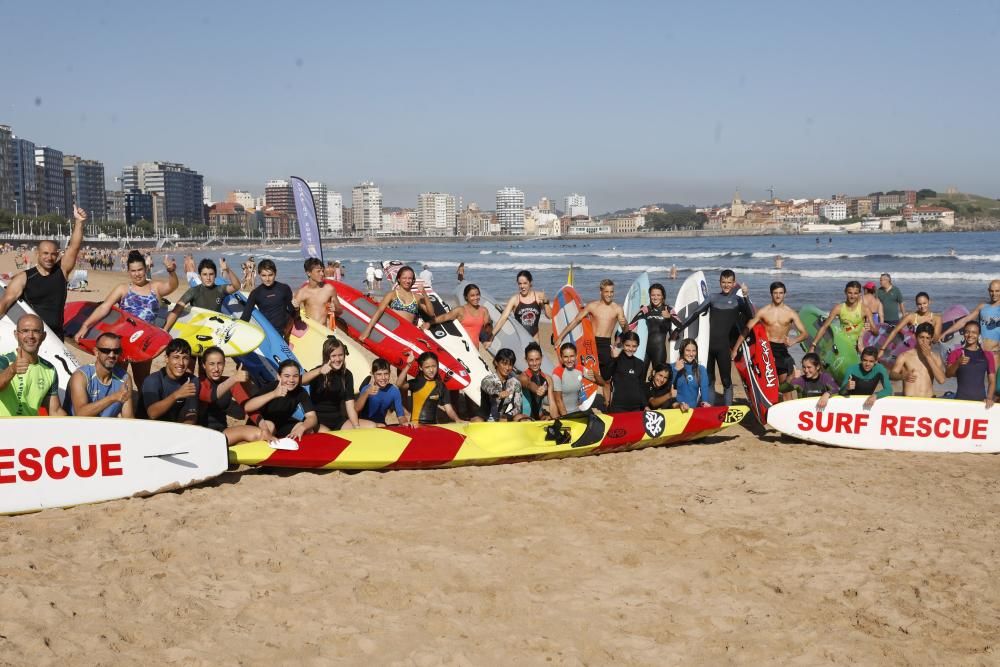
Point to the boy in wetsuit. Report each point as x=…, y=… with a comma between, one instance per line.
x=865, y=378
x=427, y=391
x=727, y=314
x=272, y=298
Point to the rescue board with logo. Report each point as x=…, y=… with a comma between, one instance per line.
x=141, y=341
x=48, y=462
x=758, y=370
x=894, y=422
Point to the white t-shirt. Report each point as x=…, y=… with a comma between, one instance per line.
x=427, y=277
x=370, y=273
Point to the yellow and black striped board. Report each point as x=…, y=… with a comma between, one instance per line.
x=488, y=443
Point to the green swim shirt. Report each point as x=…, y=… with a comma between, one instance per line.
x=26, y=393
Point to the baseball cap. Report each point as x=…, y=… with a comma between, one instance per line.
x=869, y=285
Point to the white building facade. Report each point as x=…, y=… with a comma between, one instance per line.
x=510, y=211
x=574, y=205
x=366, y=200
x=834, y=210
x=436, y=214
x=334, y=212
x=319, y=193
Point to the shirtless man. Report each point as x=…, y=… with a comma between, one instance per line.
x=853, y=315
x=189, y=270
x=779, y=319
x=317, y=296
x=920, y=367
x=604, y=314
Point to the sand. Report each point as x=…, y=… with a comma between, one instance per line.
x=740, y=549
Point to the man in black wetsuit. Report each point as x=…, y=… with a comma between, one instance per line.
x=728, y=314
x=44, y=286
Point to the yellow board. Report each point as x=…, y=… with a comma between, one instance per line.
x=450, y=445
x=307, y=344
x=204, y=328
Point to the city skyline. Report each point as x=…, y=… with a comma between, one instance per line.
x=669, y=104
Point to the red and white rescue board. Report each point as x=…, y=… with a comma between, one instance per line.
x=894, y=422
x=48, y=462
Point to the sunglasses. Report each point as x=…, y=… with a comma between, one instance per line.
x=109, y=350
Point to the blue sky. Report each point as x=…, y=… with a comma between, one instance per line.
x=628, y=103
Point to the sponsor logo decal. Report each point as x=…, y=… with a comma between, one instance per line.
x=732, y=416
x=136, y=336
x=653, y=423
x=770, y=374
x=617, y=433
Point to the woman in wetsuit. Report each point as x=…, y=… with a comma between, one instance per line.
x=331, y=388
x=427, y=391
x=475, y=319
x=139, y=297
x=660, y=320
x=402, y=300
x=215, y=398
x=278, y=402
x=814, y=382
x=526, y=307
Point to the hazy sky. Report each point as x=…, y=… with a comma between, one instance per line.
x=628, y=102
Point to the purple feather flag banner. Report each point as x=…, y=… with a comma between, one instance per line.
x=305, y=209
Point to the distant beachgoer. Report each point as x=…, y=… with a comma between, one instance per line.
x=330, y=270
x=189, y=268
x=379, y=274
x=891, y=298
x=873, y=303
x=370, y=277
x=673, y=272
x=338, y=271
x=778, y=261
x=460, y=272
x=427, y=277
x=951, y=252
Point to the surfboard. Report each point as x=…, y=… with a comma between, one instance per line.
x=691, y=295
x=512, y=335
x=51, y=350
x=306, y=341
x=894, y=422
x=453, y=337
x=393, y=336
x=63, y=461
x=489, y=443
x=757, y=368
x=954, y=339
x=904, y=340
x=141, y=341
x=637, y=297
x=203, y=328
x=261, y=364
x=836, y=350
x=564, y=308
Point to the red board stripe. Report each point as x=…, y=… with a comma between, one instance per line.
x=429, y=446
x=315, y=451
x=626, y=429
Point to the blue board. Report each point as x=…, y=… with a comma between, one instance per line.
x=262, y=364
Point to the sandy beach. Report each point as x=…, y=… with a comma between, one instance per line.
x=740, y=549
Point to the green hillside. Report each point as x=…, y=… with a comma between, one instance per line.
x=965, y=205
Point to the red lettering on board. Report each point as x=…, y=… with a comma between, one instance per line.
x=111, y=454
x=6, y=465
x=59, y=462
x=889, y=425
x=979, y=429
x=31, y=464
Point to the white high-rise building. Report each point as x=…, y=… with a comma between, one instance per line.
x=510, y=211
x=436, y=214
x=243, y=198
x=334, y=212
x=206, y=195
x=319, y=193
x=366, y=201
x=574, y=205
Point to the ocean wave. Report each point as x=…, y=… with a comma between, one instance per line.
x=659, y=270
x=617, y=254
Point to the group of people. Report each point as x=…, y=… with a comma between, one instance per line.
x=328, y=398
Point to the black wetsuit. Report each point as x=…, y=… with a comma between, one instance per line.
x=47, y=295
x=329, y=394
x=728, y=313
x=628, y=385
x=659, y=323
x=274, y=303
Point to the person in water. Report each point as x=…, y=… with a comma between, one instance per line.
x=101, y=389
x=728, y=313
x=913, y=320
x=814, y=382
x=778, y=319
x=853, y=316
x=215, y=400
x=660, y=320
x=891, y=298
x=44, y=286
x=627, y=375
x=920, y=367
x=331, y=388
x=28, y=383
x=873, y=303
x=605, y=315
x=971, y=365
x=427, y=391
x=378, y=396
x=140, y=297
x=526, y=307
x=691, y=381
x=402, y=301
x=279, y=401
x=867, y=378
x=473, y=317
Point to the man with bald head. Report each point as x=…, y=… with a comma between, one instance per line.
x=44, y=286
x=28, y=382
